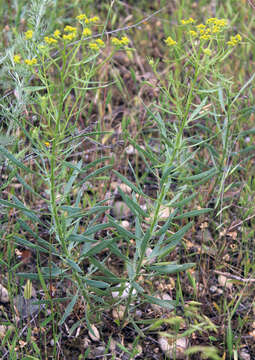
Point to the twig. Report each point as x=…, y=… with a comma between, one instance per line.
x=234, y=277
x=241, y=222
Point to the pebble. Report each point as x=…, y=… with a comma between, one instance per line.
x=173, y=349
x=96, y=335
x=4, y=296
x=244, y=355
x=121, y=210
x=118, y=313
x=224, y=282
x=123, y=294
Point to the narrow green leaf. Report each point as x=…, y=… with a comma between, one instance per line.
x=72, y=264
x=101, y=267
x=197, y=110
x=168, y=304
x=133, y=206
x=121, y=230
x=96, y=284
x=69, y=184
x=12, y=158
x=202, y=175
x=165, y=227
x=193, y=213
x=97, y=248
x=30, y=245
x=94, y=174
x=94, y=229
x=69, y=309
x=129, y=183
x=171, y=268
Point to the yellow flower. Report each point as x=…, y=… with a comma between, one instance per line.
x=170, y=42
x=116, y=41
x=69, y=28
x=29, y=34
x=57, y=34
x=215, y=29
x=93, y=46
x=221, y=22
x=193, y=33
x=238, y=37
x=50, y=40
x=124, y=40
x=31, y=62
x=94, y=19
x=81, y=17
x=86, y=32
x=70, y=36
x=231, y=43
x=189, y=21
x=205, y=37
x=201, y=26
x=46, y=143
x=16, y=59
x=207, y=51
x=211, y=21
x=234, y=40
x=100, y=42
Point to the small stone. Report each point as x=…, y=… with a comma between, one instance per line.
x=4, y=297
x=167, y=297
x=2, y=331
x=224, y=282
x=96, y=335
x=173, y=349
x=100, y=350
x=158, y=308
x=138, y=313
x=244, y=355
x=130, y=150
x=123, y=291
x=125, y=224
x=213, y=289
x=121, y=210
x=125, y=188
x=118, y=313
x=86, y=343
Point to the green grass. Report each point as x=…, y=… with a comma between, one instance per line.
x=127, y=181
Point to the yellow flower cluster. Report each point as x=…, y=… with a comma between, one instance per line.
x=17, y=59
x=29, y=34
x=207, y=30
x=69, y=36
x=169, y=41
x=31, y=62
x=69, y=28
x=86, y=32
x=234, y=40
x=217, y=22
x=72, y=32
x=50, y=40
x=207, y=51
x=188, y=21
x=119, y=42
x=193, y=33
x=57, y=34
x=96, y=45
x=86, y=20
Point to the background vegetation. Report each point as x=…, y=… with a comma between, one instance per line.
x=127, y=186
